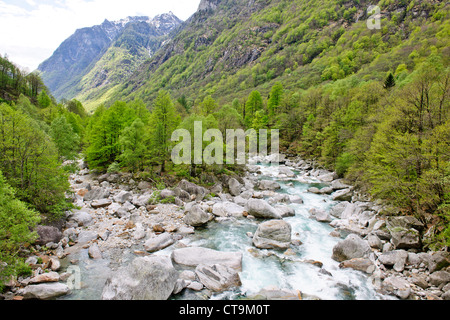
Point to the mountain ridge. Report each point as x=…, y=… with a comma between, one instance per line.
x=78, y=55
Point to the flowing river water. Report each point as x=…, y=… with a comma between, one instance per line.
x=261, y=268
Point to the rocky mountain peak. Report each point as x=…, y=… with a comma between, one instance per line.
x=208, y=5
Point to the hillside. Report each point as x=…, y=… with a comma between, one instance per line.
x=231, y=47
x=100, y=56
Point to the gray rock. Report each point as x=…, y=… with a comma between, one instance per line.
x=193, y=256
x=374, y=241
x=396, y=259
x=82, y=218
x=446, y=295
x=404, y=222
x=234, y=186
x=123, y=197
x=285, y=211
x=45, y=291
x=322, y=216
x=438, y=261
x=343, y=195
x=193, y=189
x=144, y=185
x=142, y=201
x=86, y=236
x=286, y=171
x=360, y=264
x=398, y=286
x=268, y=185
x=146, y=278
x=48, y=234
x=405, y=238
x=337, y=210
x=326, y=190
x=439, y=277
x=166, y=193
x=197, y=217
x=102, y=203
x=261, y=209
x=339, y=185
x=227, y=209
x=159, y=242
x=95, y=252
x=218, y=278
x=273, y=234
x=180, y=285
x=314, y=190
x=96, y=194
x=350, y=248
x=296, y=199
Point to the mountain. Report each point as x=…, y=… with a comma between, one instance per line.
x=229, y=48
x=100, y=56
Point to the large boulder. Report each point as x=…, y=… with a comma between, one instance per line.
x=234, y=186
x=194, y=256
x=360, y=264
x=146, y=278
x=350, y=248
x=196, y=217
x=396, y=259
x=45, y=291
x=123, y=196
x=343, y=195
x=268, y=185
x=439, y=277
x=198, y=192
x=48, y=234
x=102, y=203
x=227, y=209
x=81, y=218
x=405, y=238
x=398, y=286
x=96, y=194
x=273, y=234
x=218, y=277
x=159, y=242
x=261, y=209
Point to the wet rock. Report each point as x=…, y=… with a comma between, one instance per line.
x=337, y=210
x=146, y=278
x=194, y=256
x=286, y=171
x=296, y=199
x=273, y=234
x=86, y=236
x=217, y=277
x=285, y=211
x=314, y=190
x=95, y=252
x=274, y=293
x=350, y=248
x=261, y=209
x=339, y=185
x=45, y=291
x=159, y=242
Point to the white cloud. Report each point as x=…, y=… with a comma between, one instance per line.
x=29, y=36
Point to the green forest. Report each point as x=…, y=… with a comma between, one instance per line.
x=372, y=105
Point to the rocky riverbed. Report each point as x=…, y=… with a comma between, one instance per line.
x=121, y=247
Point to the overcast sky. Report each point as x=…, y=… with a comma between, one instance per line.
x=31, y=30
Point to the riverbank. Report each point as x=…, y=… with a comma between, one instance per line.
x=117, y=238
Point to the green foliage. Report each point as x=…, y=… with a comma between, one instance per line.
x=16, y=221
x=66, y=140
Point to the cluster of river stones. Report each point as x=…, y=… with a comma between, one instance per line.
x=115, y=214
